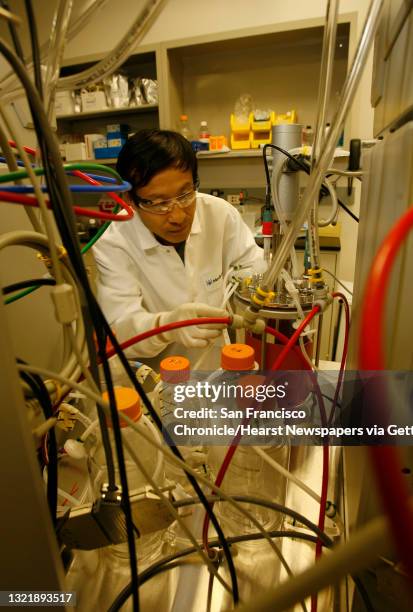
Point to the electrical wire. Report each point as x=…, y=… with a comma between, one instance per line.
x=302, y=164
x=168, y=562
x=37, y=67
x=38, y=282
x=338, y=281
x=91, y=314
x=341, y=297
x=39, y=391
x=392, y=487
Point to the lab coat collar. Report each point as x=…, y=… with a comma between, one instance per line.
x=148, y=240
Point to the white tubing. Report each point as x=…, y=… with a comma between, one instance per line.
x=334, y=204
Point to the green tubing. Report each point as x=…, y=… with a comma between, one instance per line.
x=22, y=174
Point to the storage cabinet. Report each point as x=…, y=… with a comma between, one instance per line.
x=144, y=64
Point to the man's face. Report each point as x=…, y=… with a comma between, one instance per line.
x=174, y=226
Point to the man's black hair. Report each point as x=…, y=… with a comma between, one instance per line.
x=150, y=151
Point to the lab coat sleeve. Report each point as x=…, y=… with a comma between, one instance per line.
x=241, y=248
x=120, y=296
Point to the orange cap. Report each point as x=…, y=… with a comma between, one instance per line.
x=175, y=369
x=237, y=357
x=184, y=117
x=128, y=402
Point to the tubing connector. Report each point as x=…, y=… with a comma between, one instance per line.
x=62, y=253
x=237, y=322
x=256, y=325
x=323, y=300
x=316, y=275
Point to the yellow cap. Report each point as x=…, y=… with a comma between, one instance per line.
x=175, y=369
x=128, y=402
x=237, y=357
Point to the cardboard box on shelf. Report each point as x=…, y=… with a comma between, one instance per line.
x=90, y=141
x=93, y=101
x=64, y=103
x=75, y=151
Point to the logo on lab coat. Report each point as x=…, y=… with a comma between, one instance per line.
x=211, y=282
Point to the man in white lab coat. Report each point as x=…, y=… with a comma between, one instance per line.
x=168, y=262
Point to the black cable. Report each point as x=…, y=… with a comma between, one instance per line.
x=265, y=503
x=40, y=392
x=60, y=197
x=167, y=562
x=164, y=432
x=37, y=282
x=300, y=164
x=37, y=66
x=13, y=32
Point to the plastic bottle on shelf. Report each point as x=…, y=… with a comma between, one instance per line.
x=248, y=473
x=184, y=128
x=307, y=136
x=204, y=132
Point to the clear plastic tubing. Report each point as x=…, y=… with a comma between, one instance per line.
x=326, y=72
x=11, y=83
x=58, y=40
x=119, y=54
x=324, y=160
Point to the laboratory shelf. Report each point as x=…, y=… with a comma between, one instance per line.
x=107, y=112
x=242, y=153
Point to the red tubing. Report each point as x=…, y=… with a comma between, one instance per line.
x=290, y=342
x=392, y=487
x=18, y=198
x=29, y=150
x=170, y=326
x=294, y=338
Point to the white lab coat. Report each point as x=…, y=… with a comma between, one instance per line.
x=138, y=277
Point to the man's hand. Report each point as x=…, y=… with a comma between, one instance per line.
x=196, y=336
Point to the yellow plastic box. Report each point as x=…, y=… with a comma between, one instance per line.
x=240, y=133
x=261, y=131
